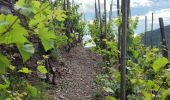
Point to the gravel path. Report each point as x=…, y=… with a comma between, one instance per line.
x=78, y=83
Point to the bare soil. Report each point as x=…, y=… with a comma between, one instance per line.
x=78, y=83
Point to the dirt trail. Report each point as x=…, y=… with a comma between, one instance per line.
x=78, y=83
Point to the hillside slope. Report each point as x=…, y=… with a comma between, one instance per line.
x=156, y=36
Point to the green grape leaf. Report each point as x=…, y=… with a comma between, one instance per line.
x=37, y=20
x=36, y=3
x=4, y=63
x=135, y=54
x=167, y=74
x=165, y=93
x=17, y=35
x=24, y=10
x=47, y=39
x=60, y=15
x=150, y=57
x=110, y=98
x=155, y=49
x=137, y=39
x=72, y=35
x=2, y=17
x=146, y=95
x=25, y=70
x=150, y=83
x=3, y=86
x=133, y=81
x=11, y=67
x=6, y=85
x=48, y=44
x=26, y=51
x=7, y=99
x=11, y=18
x=107, y=89
x=159, y=63
x=6, y=21
x=20, y=2
x=3, y=23
x=35, y=6
x=42, y=69
x=32, y=90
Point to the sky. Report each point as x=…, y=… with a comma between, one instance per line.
x=140, y=8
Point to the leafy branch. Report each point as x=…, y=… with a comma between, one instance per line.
x=158, y=90
x=8, y=29
x=15, y=12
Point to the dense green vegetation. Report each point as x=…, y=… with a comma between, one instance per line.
x=40, y=28
x=147, y=76
x=28, y=28
x=147, y=70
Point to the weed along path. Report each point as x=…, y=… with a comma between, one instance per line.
x=78, y=83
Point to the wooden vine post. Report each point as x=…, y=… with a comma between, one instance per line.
x=101, y=26
x=145, y=30
x=105, y=19
x=152, y=32
x=105, y=13
x=64, y=5
x=128, y=12
x=96, y=12
x=119, y=28
x=124, y=49
x=164, y=47
x=68, y=4
x=100, y=16
x=110, y=14
x=67, y=25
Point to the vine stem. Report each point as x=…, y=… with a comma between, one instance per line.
x=158, y=91
x=9, y=5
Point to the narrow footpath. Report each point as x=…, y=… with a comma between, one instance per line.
x=79, y=82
